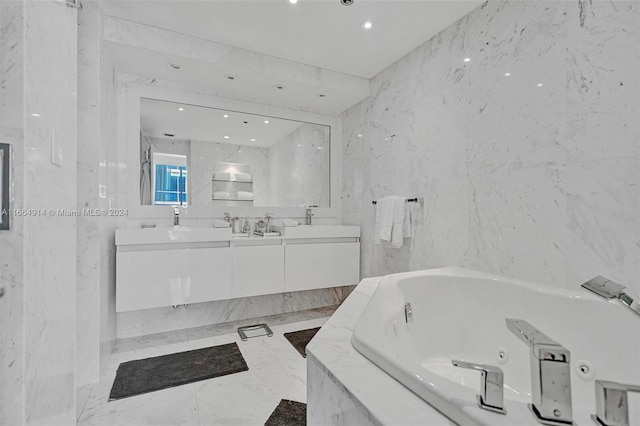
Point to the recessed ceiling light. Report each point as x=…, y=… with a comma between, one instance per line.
x=359, y=135
x=467, y=59
x=278, y=86
x=174, y=66
x=367, y=25
x=226, y=137
x=266, y=121
x=293, y=1
x=239, y=151
x=180, y=109
x=540, y=84
x=252, y=139
x=319, y=147
x=35, y=115
x=230, y=77
x=169, y=135
x=321, y=95
x=299, y=144
x=507, y=74
x=226, y=116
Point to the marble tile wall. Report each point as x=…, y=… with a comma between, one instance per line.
x=11, y=267
x=49, y=244
x=88, y=196
x=152, y=321
x=531, y=175
x=296, y=162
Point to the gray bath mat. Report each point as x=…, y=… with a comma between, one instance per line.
x=288, y=413
x=162, y=372
x=300, y=339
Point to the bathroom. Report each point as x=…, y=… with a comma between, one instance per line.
x=514, y=122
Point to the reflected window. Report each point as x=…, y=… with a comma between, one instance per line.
x=170, y=185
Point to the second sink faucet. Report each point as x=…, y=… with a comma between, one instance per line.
x=550, y=374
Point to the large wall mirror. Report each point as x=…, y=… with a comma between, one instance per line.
x=192, y=155
x=213, y=155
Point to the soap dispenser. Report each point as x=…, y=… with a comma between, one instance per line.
x=246, y=228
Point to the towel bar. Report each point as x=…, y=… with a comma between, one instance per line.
x=408, y=200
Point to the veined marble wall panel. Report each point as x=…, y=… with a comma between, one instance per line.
x=11, y=266
x=300, y=167
x=533, y=174
x=50, y=85
x=88, y=195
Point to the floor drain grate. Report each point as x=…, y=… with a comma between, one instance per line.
x=256, y=330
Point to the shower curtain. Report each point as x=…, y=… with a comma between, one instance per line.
x=145, y=178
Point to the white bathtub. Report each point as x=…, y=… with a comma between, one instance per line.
x=460, y=314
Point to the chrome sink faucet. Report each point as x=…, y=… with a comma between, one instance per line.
x=550, y=374
x=309, y=215
x=176, y=216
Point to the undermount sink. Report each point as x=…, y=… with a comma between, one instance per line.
x=318, y=231
x=173, y=234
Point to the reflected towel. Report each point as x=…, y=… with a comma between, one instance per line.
x=384, y=219
x=245, y=195
x=222, y=176
x=397, y=231
x=243, y=177
x=219, y=223
x=221, y=195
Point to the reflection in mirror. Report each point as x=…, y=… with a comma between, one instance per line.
x=199, y=156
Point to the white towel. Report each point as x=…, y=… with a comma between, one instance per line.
x=245, y=195
x=222, y=176
x=243, y=177
x=221, y=195
x=219, y=223
x=289, y=222
x=384, y=219
x=397, y=230
x=410, y=217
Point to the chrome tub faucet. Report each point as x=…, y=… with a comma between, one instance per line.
x=550, y=374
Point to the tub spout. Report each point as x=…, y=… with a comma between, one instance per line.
x=550, y=374
x=612, y=290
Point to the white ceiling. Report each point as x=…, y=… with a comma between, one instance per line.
x=209, y=124
x=321, y=33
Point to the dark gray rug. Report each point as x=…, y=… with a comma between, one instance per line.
x=288, y=413
x=300, y=339
x=162, y=372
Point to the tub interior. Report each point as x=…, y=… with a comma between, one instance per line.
x=458, y=316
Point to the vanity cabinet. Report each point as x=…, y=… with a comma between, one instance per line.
x=163, y=267
x=258, y=267
x=313, y=264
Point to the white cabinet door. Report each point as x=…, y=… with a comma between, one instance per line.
x=258, y=270
x=311, y=266
x=157, y=278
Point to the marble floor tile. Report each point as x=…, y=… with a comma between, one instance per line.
x=276, y=371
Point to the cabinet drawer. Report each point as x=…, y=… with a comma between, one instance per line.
x=152, y=279
x=312, y=266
